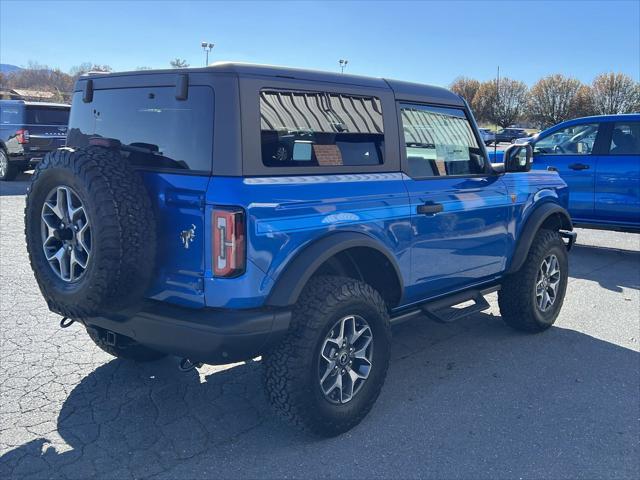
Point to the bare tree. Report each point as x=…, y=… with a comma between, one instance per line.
x=40, y=77
x=81, y=69
x=85, y=67
x=615, y=93
x=582, y=105
x=178, y=63
x=466, y=88
x=552, y=99
x=502, y=105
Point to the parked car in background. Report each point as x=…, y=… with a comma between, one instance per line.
x=599, y=158
x=510, y=135
x=488, y=137
x=28, y=130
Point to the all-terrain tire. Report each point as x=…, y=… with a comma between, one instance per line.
x=125, y=348
x=123, y=231
x=517, y=297
x=291, y=369
x=8, y=170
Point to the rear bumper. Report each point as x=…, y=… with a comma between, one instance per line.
x=213, y=336
x=28, y=159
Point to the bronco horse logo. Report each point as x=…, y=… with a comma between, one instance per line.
x=187, y=236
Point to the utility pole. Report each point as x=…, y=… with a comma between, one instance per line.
x=343, y=64
x=207, y=47
x=495, y=144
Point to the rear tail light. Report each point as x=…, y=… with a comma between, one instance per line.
x=228, y=234
x=23, y=136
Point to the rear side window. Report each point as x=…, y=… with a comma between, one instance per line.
x=625, y=139
x=306, y=129
x=46, y=116
x=11, y=114
x=439, y=142
x=155, y=129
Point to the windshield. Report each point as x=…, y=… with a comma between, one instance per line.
x=577, y=139
x=47, y=116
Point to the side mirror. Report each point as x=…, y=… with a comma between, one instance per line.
x=518, y=158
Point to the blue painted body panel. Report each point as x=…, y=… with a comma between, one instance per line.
x=466, y=243
x=607, y=193
x=471, y=242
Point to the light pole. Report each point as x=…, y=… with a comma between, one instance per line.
x=495, y=144
x=343, y=64
x=207, y=47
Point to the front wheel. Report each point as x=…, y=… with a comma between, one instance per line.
x=328, y=371
x=531, y=299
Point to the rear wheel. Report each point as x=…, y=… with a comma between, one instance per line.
x=531, y=299
x=328, y=371
x=8, y=170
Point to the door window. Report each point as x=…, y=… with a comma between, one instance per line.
x=625, y=139
x=439, y=142
x=575, y=140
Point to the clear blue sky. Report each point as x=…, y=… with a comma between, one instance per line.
x=431, y=42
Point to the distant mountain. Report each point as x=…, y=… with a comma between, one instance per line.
x=6, y=68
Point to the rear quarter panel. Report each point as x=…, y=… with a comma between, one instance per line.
x=287, y=213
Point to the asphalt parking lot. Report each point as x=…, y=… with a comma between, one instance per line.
x=468, y=400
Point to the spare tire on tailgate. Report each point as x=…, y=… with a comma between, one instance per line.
x=90, y=231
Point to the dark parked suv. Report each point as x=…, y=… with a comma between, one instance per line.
x=28, y=130
x=510, y=135
x=224, y=213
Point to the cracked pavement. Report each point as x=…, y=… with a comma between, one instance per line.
x=466, y=400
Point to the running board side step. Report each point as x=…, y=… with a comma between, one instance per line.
x=444, y=310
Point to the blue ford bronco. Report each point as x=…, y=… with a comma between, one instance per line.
x=235, y=211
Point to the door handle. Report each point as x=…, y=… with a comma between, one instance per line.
x=430, y=208
x=579, y=166
x=551, y=168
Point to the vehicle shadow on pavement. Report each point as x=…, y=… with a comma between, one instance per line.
x=612, y=268
x=471, y=399
x=18, y=186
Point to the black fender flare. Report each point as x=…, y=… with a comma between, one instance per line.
x=531, y=227
x=297, y=273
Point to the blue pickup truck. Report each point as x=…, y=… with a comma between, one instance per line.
x=599, y=158
x=224, y=213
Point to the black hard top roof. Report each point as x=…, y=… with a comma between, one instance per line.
x=403, y=90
